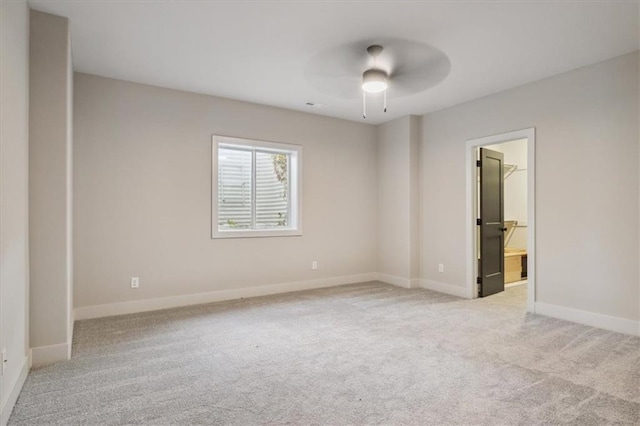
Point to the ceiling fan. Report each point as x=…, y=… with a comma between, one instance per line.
x=374, y=80
x=399, y=67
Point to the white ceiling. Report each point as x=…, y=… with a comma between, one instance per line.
x=257, y=51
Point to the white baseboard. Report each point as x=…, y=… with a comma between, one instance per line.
x=394, y=280
x=134, y=306
x=14, y=391
x=71, y=328
x=453, y=290
x=607, y=322
x=49, y=354
x=45, y=355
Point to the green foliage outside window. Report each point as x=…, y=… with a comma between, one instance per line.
x=280, y=162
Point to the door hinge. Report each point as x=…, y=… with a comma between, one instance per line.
x=479, y=280
x=478, y=222
x=478, y=163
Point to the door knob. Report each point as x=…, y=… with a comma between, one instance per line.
x=504, y=229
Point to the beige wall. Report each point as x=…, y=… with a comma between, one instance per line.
x=398, y=194
x=14, y=198
x=393, y=197
x=415, y=125
x=142, y=190
x=50, y=189
x=586, y=184
x=393, y=200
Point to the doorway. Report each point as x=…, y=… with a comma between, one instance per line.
x=508, y=227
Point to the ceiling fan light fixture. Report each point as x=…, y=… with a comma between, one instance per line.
x=374, y=81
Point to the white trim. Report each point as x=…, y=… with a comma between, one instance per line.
x=45, y=355
x=134, y=306
x=295, y=187
x=72, y=328
x=14, y=391
x=638, y=206
x=638, y=182
x=395, y=280
x=529, y=135
x=607, y=322
x=453, y=290
x=232, y=233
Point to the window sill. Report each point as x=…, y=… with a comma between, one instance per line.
x=257, y=233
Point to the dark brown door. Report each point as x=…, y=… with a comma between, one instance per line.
x=491, y=265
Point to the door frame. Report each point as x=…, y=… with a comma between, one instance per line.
x=472, y=262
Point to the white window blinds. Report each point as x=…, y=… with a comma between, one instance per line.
x=253, y=188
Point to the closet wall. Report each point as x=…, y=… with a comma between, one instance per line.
x=515, y=189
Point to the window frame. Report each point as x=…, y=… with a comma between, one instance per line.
x=294, y=181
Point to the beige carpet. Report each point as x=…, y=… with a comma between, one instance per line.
x=365, y=353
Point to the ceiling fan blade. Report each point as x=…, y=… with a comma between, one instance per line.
x=348, y=57
x=416, y=67
x=344, y=86
x=412, y=67
x=408, y=80
x=338, y=71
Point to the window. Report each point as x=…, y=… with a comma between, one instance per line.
x=256, y=188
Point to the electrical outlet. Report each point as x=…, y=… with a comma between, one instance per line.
x=440, y=267
x=135, y=282
x=4, y=361
x=314, y=265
